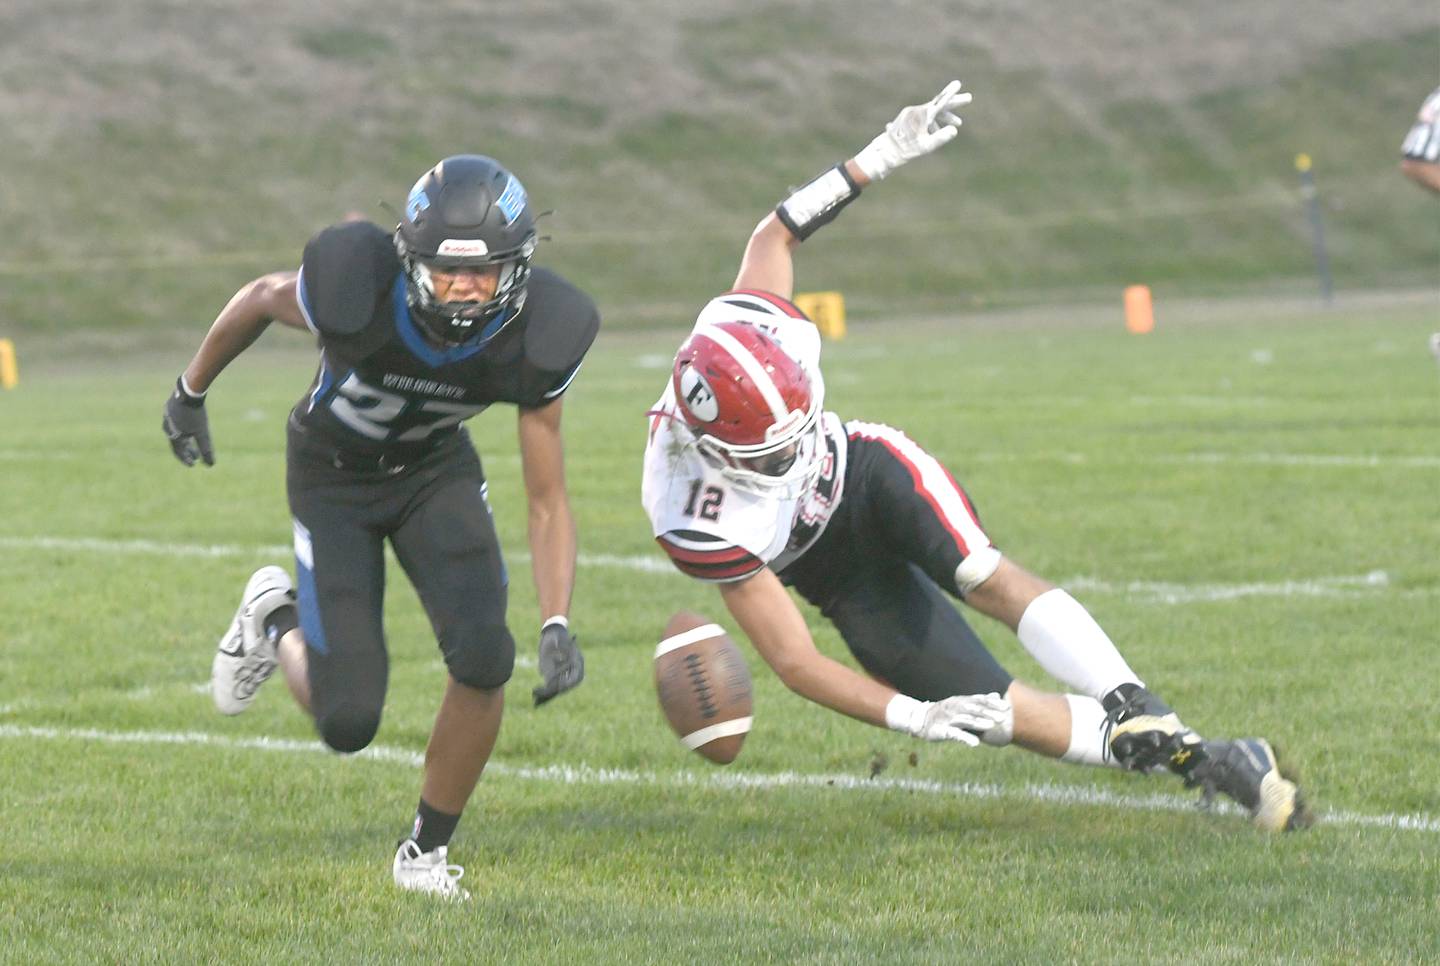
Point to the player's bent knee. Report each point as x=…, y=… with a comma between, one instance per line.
x=484, y=661
x=349, y=729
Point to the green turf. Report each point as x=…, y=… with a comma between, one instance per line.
x=1274, y=448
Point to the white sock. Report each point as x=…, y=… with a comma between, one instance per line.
x=1087, y=736
x=1067, y=642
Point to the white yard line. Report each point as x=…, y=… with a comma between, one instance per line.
x=1146, y=591
x=653, y=564
x=582, y=774
x=1367, y=461
x=143, y=547
x=1170, y=593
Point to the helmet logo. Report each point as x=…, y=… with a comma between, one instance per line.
x=512, y=200
x=787, y=426
x=464, y=247
x=416, y=203
x=699, y=397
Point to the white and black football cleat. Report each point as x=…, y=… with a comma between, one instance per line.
x=1246, y=770
x=1145, y=733
x=427, y=872
x=246, y=657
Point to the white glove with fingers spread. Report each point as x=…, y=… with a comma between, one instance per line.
x=916, y=131
x=964, y=717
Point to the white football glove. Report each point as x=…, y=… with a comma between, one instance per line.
x=916, y=131
x=964, y=717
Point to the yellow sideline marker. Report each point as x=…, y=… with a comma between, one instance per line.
x=1139, y=309
x=826, y=310
x=9, y=371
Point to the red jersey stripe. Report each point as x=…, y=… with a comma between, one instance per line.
x=896, y=443
x=724, y=554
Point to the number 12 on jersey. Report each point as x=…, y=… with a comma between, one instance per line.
x=704, y=501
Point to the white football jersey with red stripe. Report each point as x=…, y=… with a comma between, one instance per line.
x=711, y=529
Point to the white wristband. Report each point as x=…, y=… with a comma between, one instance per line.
x=904, y=714
x=185, y=388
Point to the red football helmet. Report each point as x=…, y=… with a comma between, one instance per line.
x=753, y=409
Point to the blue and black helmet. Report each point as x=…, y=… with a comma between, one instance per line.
x=466, y=212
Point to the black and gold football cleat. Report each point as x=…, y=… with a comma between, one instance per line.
x=1145, y=733
x=1246, y=770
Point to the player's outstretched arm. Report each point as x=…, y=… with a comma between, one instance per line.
x=268, y=298
x=551, y=529
x=767, y=615
x=916, y=131
x=1424, y=173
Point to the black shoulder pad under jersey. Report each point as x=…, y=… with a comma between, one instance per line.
x=562, y=323
x=348, y=269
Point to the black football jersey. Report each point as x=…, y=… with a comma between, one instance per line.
x=383, y=387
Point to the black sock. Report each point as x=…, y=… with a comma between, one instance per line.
x=432, y=828
x=281, y=621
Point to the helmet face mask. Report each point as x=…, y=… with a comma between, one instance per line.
x=466, y=213
x=752, y=410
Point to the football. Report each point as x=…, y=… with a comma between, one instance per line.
x=704, y=687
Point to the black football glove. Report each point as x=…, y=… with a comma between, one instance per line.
x=187, y=427
x=561, y=664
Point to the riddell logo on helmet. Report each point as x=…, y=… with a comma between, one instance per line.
x=698, y=396
x=463, y=247
x=786, y=426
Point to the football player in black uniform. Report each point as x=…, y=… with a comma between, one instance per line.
x=417, y=331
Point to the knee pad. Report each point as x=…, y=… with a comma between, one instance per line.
x=484, y=658
x=348, y=729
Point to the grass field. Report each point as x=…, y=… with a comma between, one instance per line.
x=1246, y=499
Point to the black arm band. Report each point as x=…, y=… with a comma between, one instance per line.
x=814, y=205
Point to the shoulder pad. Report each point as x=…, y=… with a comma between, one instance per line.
x=348, y=269
x=561, y=322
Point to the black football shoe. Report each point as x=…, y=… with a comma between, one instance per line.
x=1246, y=770
x=1145, y=733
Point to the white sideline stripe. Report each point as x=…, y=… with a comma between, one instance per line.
x=726, y=781
x=735, y=726
x=702, y=633
x=1153, y=591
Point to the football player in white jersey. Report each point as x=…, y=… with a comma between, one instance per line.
x=1420, y=152
x=750, y=483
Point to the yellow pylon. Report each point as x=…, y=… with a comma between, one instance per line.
x=826, y=310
